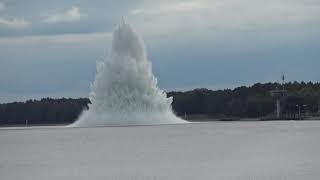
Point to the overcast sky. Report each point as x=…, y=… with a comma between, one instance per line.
x=50, y=48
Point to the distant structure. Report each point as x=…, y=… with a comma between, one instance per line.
x=279, y=94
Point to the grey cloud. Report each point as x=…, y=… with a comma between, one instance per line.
x=190, y=45
x=71, y=15
x=85, y=16
x=13, y=23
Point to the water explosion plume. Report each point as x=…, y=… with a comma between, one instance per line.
x=125, y=91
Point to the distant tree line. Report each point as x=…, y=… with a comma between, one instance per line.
x=254, y=101
x=44, y=111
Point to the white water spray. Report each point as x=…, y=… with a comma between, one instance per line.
x=125, y=91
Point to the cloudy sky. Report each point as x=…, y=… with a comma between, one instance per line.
x=50, y=48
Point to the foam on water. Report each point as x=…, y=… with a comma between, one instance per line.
x=125, y=90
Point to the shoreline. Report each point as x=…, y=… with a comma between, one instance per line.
x=200, y=120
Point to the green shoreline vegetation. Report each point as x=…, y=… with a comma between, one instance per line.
x=253, y=102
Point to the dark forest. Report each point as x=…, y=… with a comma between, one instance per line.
x=242, y=102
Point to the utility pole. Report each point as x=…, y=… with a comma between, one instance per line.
x=283, y=80
x=279, y=94
x=299, y=111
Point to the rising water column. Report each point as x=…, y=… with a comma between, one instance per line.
x=125, y=90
